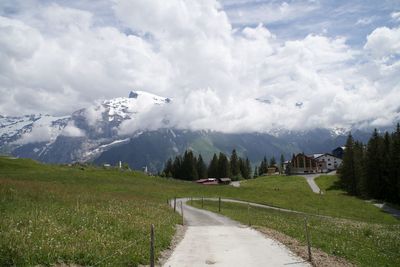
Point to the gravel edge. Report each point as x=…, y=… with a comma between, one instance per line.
x=319, y=257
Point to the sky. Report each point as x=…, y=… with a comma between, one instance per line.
x=228, y=65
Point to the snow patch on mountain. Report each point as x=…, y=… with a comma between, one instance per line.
x=45, y=129
x=30, y=128
x=123, y=108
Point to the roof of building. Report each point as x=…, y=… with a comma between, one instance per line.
x=327, y=154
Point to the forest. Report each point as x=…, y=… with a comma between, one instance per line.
x=372, y=170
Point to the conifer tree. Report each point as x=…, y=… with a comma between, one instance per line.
x=189, y=168
x=241, y=170
x=272, y=161
x=246, y=173
x=201, y=168
x=373, y=165
x=213, y=167
x=224, y=168
x=235, y=165
x=347, y=171
x=263, y=169
x=357, y=185
x=394, y=166
x=177, y=168
x=168, y=168
x=385, y=149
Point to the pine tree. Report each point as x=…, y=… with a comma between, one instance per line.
x=235, y=165
x=241, y=170
x=177, y=168
x=201, y=168
x=189, y=166
x=272, y=161
x=373, y=167
x=347, y=171
x=213, y=167
x=359, y=171
x=224, y=168
x=394, y=166
x=386, y=147
x=168, y=168
x=246, y=173
x=263, y=169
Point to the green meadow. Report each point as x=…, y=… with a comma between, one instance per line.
x=101, y=217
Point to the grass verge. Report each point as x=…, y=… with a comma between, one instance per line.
x=364, y=244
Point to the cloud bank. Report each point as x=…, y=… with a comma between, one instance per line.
x=57, y=59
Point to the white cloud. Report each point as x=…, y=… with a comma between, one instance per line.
x=365, y=21
x=72, y=131
x=269, y=12
x=383, y=42
x=190, y=51
x=395, y=15
x=38, y=134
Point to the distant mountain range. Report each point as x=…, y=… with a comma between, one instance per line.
x=93, y=134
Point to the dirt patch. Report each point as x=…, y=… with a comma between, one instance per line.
x=177, y=238
x=319, y=258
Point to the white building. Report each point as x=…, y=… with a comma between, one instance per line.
x=327, y=162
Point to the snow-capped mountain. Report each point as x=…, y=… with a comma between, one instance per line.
x=25, y=129
x=122, y=108
x=94, y=134
x=93, y=129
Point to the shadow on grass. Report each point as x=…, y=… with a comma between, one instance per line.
x=335, y=186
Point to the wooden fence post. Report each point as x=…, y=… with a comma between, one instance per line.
x=174, y=204
x=219, y=204
x=182, y=212
x=152, y=246
x=248, y=212
x=308, y=240
x=202, y=202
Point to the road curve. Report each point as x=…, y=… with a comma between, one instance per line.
x=310, y=180
x=214, y=240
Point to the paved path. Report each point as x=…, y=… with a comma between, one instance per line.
x=394, y=212
x=215, y=240
x=310, y=180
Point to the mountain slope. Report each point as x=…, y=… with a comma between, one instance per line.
x=94, y=134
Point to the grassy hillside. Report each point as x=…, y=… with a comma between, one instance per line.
x=92, y=216
x=79, y=215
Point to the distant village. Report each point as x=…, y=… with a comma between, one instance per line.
x=299, y=164
x=315, y=163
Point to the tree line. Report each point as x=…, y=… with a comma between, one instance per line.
x=373, y=170
x=265, y=164
x=189, y=167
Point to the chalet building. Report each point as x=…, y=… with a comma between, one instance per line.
x=273, y=170
x=303, y=164
x=328, y=162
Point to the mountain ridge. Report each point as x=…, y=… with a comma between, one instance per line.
x=92, y=134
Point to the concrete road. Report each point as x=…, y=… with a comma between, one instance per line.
x=215, y=240
x=310, y=180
